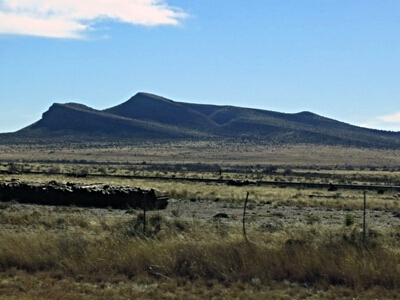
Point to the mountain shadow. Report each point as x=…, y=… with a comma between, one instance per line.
x=151, y=117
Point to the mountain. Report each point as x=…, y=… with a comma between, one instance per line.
x=147, y=116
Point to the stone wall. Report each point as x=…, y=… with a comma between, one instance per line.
x=94, y=195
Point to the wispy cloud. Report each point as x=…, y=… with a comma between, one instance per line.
x=74, y=18
x=388, y=122
x=395, y=118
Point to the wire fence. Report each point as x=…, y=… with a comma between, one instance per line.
x=204, y=215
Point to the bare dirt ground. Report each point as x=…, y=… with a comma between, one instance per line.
x=277, y=215
x=262, y=215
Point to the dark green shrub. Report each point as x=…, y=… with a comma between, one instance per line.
x=349, y=220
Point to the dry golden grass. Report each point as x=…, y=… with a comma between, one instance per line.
x=212, y=152
x=234, y=195
x=46, y=285
x=73, y=253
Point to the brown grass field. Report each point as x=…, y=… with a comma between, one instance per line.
x=303, y=243
x=222, y=153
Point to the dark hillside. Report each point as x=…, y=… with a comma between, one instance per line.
x=148, y=107
x=79, y=119
x=152, y=117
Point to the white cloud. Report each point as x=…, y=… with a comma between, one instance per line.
x=395, y=118
x=73, y=18
x=388, y=122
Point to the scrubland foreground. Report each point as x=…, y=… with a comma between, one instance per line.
x=76, y=253
x=302, y=243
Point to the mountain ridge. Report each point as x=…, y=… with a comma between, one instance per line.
x=148, y=116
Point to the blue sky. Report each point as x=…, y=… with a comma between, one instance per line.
x=339, y=59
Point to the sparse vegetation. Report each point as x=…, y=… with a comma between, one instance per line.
x=111, y=252
x=349, y=220
x=303, y=241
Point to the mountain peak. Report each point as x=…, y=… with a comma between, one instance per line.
x=149, y=107
x=151, y=116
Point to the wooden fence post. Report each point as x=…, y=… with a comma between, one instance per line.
x=365, y=207
x=144, y=212
x=244, y=217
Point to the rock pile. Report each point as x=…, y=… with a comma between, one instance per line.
x=86, y=195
